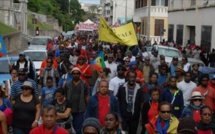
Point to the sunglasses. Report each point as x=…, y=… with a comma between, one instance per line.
x=76, y=73
x=120, y=70
x=81, y=59
x=26, y=88
x=165, y=112
x=127, y=61
x=206, y=114
x=197, y=100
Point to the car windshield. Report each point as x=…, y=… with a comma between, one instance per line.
x=168, y=52
x=4, y=69
x=39, y=41
x=36, y=56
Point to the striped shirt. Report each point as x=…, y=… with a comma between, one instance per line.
x=16, y=87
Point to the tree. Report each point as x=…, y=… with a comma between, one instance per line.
x=93, y=9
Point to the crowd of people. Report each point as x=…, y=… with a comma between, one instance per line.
x=134, y=88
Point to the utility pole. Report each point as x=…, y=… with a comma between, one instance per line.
x=149, y=16
x=126, y=11
x=69, y=6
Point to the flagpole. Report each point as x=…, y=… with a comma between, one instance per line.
x=8, y=59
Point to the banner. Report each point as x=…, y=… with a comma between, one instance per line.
x=124, y=34
x=3, y=50
x=87, y=27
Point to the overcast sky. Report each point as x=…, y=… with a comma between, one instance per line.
x=90, y=1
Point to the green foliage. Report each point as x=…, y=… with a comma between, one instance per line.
x=59, y=9
x=4, y=29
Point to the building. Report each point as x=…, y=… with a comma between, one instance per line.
x=192, y=20
x=87, y=7
x=118, y=10
x=152, y=18
x=14, y=14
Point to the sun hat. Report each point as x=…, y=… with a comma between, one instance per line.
x=27, y=84
x=76, y=69
x=196, y=95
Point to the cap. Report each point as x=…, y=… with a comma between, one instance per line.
x=196, y=95
x=187, y=124
x=27, y=84
x=76, y=69
x=22, y=53
x=92, y=122
x=22, y=71
x=175, y=58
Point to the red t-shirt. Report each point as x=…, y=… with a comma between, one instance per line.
x=103, y=108
x=205, y=132
x=196, y=115
x=86, y=70
x=41, y=130
x=153, y=111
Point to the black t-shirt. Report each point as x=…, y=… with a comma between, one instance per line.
x=61, y=108
x=24, y=112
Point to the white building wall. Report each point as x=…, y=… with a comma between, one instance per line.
x=197, y=18
x=119, y=9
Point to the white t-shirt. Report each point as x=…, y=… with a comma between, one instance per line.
x=186, y=67
x=187, y=89
x=113, y=68
x=115, y=83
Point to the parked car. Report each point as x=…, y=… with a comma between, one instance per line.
x=37, y=56
x=168, y=52
x=5, y=62
x=195, y=61
x=39, y=42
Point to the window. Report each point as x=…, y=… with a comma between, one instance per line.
x=193, y=2
x=179, y=34
x=159, y=2
x=159, y=26
x=170, y=32
x=1, y=3
x=144, y=3
x=206, y=37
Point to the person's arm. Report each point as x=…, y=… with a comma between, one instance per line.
x=6, y=88
x=37, y=116
x=66, y=113
x=3, y=121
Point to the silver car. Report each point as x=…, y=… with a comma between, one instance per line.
x=39, y=42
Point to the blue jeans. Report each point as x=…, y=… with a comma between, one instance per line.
x=21, y=131
x=78, y=119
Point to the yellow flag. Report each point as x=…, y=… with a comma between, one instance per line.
x=124, y=34
x=106, y=33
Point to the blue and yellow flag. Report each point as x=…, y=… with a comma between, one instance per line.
x=99, y=60
x=3, y=50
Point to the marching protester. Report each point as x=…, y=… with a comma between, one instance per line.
x=26, y=109
x=102, y=103
x=164, y=123
x=193, y=109
x=76, y=91
x=49, y=116
x=130, y=100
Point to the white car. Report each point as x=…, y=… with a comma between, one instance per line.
x=39, y=42
x=37, y=56
x=168, y=52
